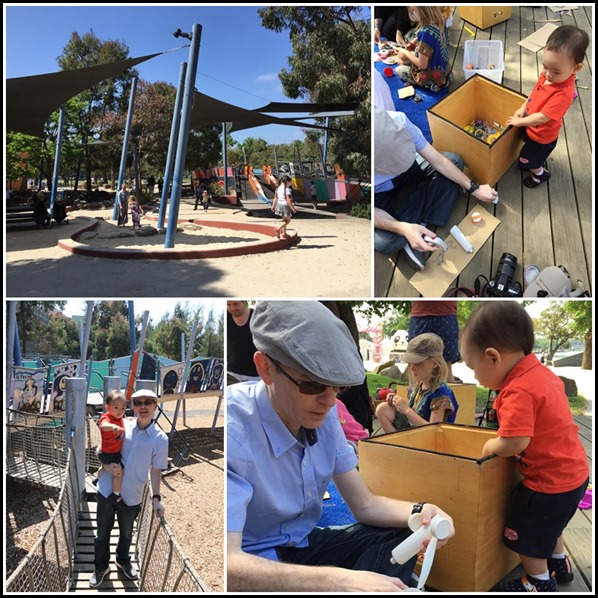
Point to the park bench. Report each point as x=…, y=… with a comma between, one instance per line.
x=19, y=214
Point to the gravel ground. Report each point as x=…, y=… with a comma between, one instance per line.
x=193, y=495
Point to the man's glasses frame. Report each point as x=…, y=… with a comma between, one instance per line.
x=139, y=403
x=307, y=387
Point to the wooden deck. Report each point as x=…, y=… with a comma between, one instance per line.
x=547, y=226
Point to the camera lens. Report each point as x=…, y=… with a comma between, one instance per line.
x=507, y=265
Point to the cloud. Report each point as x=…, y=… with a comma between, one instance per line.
x=267, y=78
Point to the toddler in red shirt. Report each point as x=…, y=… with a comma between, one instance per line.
x=537, y=428
x=543, y=111
x=112, y=429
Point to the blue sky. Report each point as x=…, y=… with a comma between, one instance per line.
x=238, y=60
x=156, y=307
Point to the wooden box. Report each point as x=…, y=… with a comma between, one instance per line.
x=439, y=463
x=485, y=16
x=478, y=99
x=465, y=395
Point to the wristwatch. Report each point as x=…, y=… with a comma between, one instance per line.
x=417, y=507
x=473, y=187
x=157, y=496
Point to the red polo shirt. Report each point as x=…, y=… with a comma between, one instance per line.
x=552, y=101
x=532, y=402
x=111, y=443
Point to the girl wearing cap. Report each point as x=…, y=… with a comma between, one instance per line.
x=283, y=206
x=430, y=399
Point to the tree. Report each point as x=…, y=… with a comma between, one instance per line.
x=31, y=321
x=554, y=323
x=581, y=316
x=111, y=94
x=61, y=336
x=330, y=63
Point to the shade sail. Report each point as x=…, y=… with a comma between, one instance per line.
x=31, y=100
x=310, y=107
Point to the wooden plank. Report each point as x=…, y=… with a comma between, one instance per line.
x=383, y=272
x=578, y=540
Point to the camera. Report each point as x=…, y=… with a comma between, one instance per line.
x=502, y=284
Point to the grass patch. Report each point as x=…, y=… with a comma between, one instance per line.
x=577, y=404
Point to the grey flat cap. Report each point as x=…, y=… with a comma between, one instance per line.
x=308, y=337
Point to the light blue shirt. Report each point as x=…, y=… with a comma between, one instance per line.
x=141, y=450
x=276, y=483
x=383, y=182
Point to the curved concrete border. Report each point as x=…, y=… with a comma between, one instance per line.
x=71, y=244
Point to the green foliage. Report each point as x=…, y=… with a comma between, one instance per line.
x=29, y=322
x=578, y=405
x=554, y=323
x=330, y=63
x=361, y=210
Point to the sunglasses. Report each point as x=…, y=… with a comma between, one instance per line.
x=307, y=387
x=148, y=403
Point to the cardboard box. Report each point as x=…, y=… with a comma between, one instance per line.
x=485, y=16
x=465, y=395
x=439, y=463
x=486, y=57
x=478, y=98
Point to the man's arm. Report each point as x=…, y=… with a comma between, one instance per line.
x=414, y=233
x=446, y=168
x=247, y=572
x=380, y=511
x=155, y=479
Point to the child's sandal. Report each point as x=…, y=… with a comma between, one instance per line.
x=531, y=182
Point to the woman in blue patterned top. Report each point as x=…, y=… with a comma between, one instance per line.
x=424, y=60
x=430, y=399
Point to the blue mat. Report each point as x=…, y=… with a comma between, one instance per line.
x=416, y=112
x=334, y=510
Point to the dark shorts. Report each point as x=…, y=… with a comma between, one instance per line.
x=108, y=458
x=446, y=327
x=535, y=520
x=534, y=154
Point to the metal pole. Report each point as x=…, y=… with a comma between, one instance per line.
x=123, y=157
x=132, y=331
x=184, y=377
x=275, y=162
x=57, y=160
x=110, y=383
x=10, y=344
x=81, y=371
x=174, y=129
x=136, y=172
x=325, y=155
x=181, y=154
x=76, y=404
x=224, y=158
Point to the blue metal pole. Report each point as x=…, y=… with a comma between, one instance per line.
x=181, y=154
x=136, y=171
x=224, y=158
x=132, y=331
x=174, y=129
x=326, y=146
x=57, y=160
x=123, y=157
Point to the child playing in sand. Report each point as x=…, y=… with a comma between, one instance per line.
x=283, y=206
x=430, y=399
x=136, y=211
x=424, y=61
x=537, y=429
x=112, y=430
x=543, y=111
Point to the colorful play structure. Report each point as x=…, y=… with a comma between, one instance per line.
x=260, y=183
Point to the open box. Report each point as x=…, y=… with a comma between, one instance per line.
x=440, y=463
x=478, y=99
x=485, y=16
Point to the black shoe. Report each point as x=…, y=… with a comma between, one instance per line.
x=417, y=259
x=527, y=583
x=97, y=577
x=561, y=570
x=95, y=481
x=129, y=571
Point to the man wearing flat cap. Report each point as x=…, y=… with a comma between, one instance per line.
x=415, y=186
x=144, y=456
x=285, y=444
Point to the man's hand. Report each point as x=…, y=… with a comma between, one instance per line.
x=428, y=512
x=414, y=233
x=367, y=581
x=485, y=193
x=115, y=469
x=159, y=508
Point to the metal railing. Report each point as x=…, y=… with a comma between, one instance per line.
x=49, y=565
